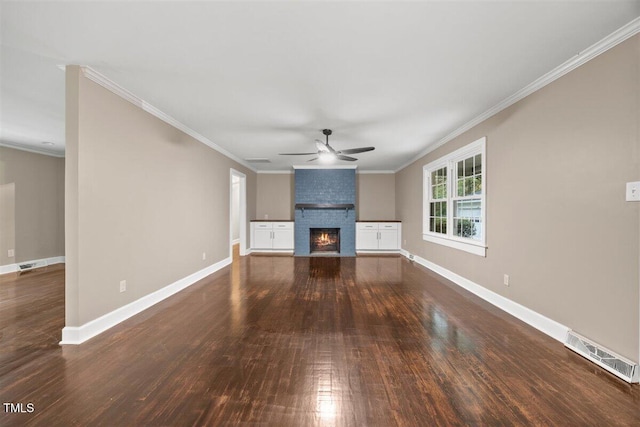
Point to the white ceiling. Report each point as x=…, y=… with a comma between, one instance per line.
x=265, y=77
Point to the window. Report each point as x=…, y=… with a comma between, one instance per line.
x=438, y=203
x=454, y=195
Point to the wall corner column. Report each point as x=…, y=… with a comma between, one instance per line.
x=71, y=222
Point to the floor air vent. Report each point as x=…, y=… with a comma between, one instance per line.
x=31, y=265
x=607, y=359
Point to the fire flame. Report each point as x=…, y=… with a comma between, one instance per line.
x=324, y=239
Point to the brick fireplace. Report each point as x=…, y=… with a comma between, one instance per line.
x=325, y=199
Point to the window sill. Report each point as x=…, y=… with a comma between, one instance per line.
x=473, y=248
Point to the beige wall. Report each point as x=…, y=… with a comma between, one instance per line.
x=38, y=206
x=145, y=202
x=275, y=196
x=557, y=220
x=375, y=196
x=7, y=223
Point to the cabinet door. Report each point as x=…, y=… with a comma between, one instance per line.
x=388, y=237
x=262, y=232
x=367, y=236
x=283, y=235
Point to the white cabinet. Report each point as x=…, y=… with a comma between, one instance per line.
x=262, y=235
x=283, y=235
x=269, y=236
x=366, y=236
x=378, y=236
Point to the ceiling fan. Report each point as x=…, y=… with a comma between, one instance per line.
x=327, y=152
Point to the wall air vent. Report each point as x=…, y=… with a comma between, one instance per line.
x=607, y=359
x=258, y=160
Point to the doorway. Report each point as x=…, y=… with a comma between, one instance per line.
x=237, y=212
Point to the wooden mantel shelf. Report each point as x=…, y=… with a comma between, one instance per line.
x=345, y=206
x=325, y=206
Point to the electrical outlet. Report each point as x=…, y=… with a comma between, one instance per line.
x=204, y=256
x=123, y=285
x=506, y=280
x=11, y=253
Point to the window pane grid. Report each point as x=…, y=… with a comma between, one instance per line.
x=469, y=176
x=438, y=217
x=467, y=219
x=439, y=184
x=438, y=203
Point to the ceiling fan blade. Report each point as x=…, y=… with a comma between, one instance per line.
x=347, y=158
x=322, y=147
x=311, y=160
x=356, y=150
x=297, y=154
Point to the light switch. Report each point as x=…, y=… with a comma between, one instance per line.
x=633, y=191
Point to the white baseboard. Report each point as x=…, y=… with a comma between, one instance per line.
x=378, y=251
x=12, y=268
x=235, y=242
x=80, y=334
x=550, y=327
x=273, y=251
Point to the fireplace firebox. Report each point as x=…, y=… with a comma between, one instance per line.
x=324, y=240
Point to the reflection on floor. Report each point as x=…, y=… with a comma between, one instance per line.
x=235, y=250
x=31, y=316
x=290, y=341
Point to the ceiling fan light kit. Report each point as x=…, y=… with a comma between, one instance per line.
x=325, y=157
x=327, y=154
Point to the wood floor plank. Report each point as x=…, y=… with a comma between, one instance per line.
x=284, y=341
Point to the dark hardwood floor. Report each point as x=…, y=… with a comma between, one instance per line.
x=284, y=341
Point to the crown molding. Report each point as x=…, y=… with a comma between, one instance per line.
x=113, y=87
x=374, y=172
x=359, y=172
x=275, y=172
x=324, y=167
x=30, y=149
x=623, y=33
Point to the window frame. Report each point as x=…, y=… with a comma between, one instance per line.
x=437, y=216
x=477, y=247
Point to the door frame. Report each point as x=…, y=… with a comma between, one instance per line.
x=242, y=211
